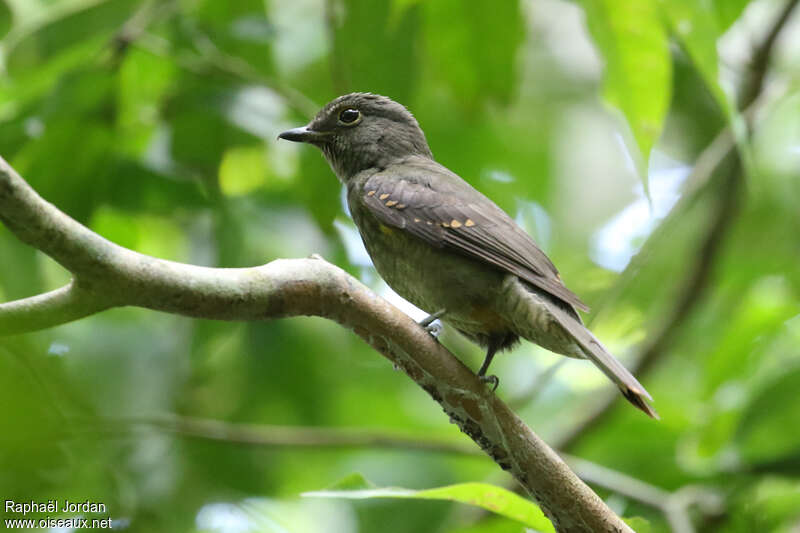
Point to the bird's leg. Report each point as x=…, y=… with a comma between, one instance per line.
x=428, y=320
x=490, y=351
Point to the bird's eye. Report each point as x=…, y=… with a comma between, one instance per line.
x=350, y=116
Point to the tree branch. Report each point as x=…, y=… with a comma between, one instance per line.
x=107, y=275
x=49, y=309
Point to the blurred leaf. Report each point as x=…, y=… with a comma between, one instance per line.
x=69, y=174
x=769, y=504
x=133, y=186
x=759, y=313
x=31, y=456
x=317, y=188
x=201, y=131
x=156, y=236
x=473, y=70
x=638, y=524
x=633, y=42
x=21, y=92
x=698, y=29
x=766, y=431
x=144, y=82
x=19, y=273
x=728, y=11
x=239, y=29
x=242, y=170
x=693, y=102
x=63, y=28
x=373, y=53
x=490, y=497
x=6, y=19
x=493, y=524
x=354, y=482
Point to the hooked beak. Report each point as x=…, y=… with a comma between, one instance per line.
x=303, y=134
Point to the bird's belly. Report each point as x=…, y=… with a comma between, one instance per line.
x=434, y=279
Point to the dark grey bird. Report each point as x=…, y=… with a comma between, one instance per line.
x=444, y=246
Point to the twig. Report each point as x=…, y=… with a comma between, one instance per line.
x=674, y=505
x=761, y=58
x=210, y=57
x=279, y=436
x=136, y=26
x=240, y=68
x=107, y=275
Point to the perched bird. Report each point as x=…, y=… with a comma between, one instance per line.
x=443, y=245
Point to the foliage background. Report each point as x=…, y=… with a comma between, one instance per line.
x=155, y=124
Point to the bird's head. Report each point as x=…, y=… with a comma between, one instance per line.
x=359, y=131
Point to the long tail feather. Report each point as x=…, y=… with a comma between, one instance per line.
x=631, y=389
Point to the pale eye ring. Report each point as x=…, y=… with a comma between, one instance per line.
x=350, y=116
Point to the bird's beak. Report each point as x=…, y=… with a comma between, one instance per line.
x=303, y=134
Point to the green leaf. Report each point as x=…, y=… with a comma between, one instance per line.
x=728, y=11
x=638, y=74
x=243, y=169
x=472, y=69
x=495, y=499
x=6, y=19
x=70, y=25
x=767, y=431
x=375, y=49
x=638, y=524
x=697, y=26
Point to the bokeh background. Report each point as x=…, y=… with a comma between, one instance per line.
x=154, y=123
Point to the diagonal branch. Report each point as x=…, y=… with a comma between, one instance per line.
x=51, y=308
x=107, y=275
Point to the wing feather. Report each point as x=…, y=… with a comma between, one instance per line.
x=449, y=213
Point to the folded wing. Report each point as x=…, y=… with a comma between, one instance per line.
x=440, y=208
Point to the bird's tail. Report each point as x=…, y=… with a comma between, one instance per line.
x=631, y=389
x=532, y=311
x=590, y=347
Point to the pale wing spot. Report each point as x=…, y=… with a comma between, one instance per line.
x=469, y=223
x=384, y=196
x=455, y=224
x=401, y=206
x=390, y=203
x=445, y=225
x=370, y=193
x=417, y=220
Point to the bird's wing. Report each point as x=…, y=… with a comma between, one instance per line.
x=440, y=208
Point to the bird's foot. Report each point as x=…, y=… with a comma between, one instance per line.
x=428, y=323
x=491, y=379
x=434, y=329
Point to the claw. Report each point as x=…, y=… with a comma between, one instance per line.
x=491, y=379
x=428, y=320
x=434, y=329
x=428, y=323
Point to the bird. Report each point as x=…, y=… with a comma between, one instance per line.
x=444, y=246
